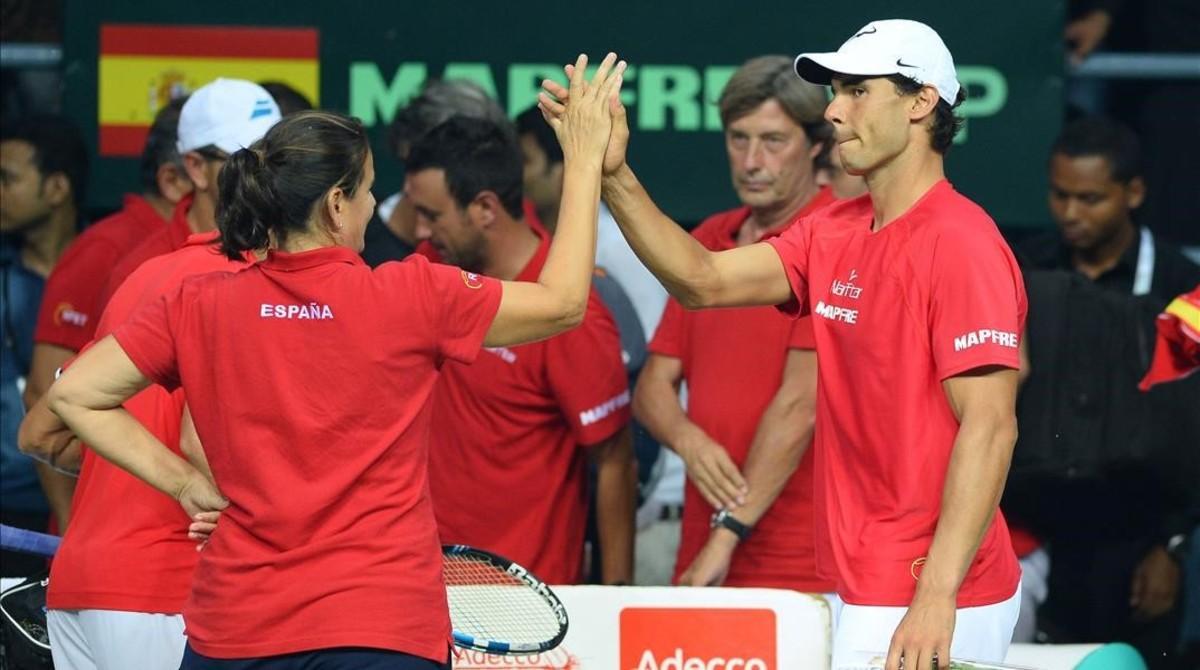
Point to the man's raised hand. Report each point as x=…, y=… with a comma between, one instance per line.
x=555, y=100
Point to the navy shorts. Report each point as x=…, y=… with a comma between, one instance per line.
x=342, y=658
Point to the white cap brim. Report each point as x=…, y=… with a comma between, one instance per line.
x=819, y=68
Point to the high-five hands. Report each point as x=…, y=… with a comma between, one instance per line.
x=556, y=103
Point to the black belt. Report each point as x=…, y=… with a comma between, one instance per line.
x=670, y=513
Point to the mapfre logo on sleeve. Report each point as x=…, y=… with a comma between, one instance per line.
x=691, y=638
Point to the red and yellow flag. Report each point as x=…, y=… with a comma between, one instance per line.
x=143, y=67
x=1177, y=348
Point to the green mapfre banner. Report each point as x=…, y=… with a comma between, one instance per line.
x=124, y=58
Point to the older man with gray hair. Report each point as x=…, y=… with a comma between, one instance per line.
x=748, y=504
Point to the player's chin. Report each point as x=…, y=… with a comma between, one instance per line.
x=761, y=196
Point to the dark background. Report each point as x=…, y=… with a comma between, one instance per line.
x=1000, y=164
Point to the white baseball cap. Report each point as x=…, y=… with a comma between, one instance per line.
x=229, y=114
x=882, y=48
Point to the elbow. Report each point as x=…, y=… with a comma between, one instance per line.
x=695, y=294
x=699, y=291
x=571, y=313
x=691, y=300
x=559, y=315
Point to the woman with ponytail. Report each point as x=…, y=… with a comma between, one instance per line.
x=307, y=377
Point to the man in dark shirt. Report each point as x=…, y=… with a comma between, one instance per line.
x=43, y=182
x=1095, y=185
x=1098, y=468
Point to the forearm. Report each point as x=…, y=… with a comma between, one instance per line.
x=974, y=483
x=656, y=406
x=783, y=437
x=616, y=501
x=115, y=435
x=191, y=447
x=676, y=258
x=557, y=301
x=45, y=438
x=568, y=269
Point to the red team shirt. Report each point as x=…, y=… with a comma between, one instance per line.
x=162, y=241
x=895, y=312
x=733, y=362
x=72, y=300
x=507, y=469
x=309, y=377
x=127, y=546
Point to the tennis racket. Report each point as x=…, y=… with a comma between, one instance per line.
x=498, y=606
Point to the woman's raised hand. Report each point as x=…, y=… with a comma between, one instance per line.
x=583, y=115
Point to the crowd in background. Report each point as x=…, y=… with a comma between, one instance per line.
x=622, y=440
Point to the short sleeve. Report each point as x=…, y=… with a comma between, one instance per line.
x=149, y=338
x=71, y=302
x=976, y=303
x=120, y=273
x=587, y=377
x=802, y=334
x=792, y=245
x=465, y=307
x=669, y=338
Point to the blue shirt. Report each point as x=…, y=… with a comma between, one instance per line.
x=20, y=296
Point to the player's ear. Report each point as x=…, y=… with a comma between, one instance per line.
x=923, y=103
x=335, y=205
x=485, y=209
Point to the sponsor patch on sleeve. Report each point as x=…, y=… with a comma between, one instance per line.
x=975, y=338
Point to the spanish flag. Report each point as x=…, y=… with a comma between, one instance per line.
x=143, y=67
x=1177, y=348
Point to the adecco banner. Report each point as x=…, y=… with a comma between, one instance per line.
x=662, y=628
x=373, y=57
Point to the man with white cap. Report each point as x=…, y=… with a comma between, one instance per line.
x=218, y=119
x=917, y=305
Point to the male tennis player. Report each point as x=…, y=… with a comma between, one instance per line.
x=917, y=307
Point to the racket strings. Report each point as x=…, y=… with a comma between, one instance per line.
x=490, y=604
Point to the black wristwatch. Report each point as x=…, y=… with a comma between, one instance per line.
x=722, y=518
